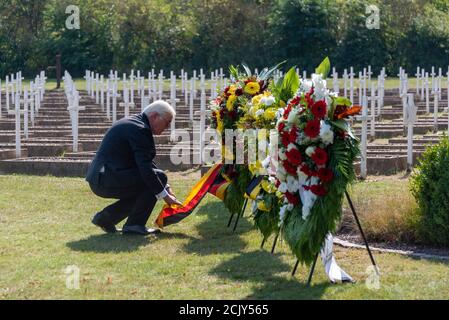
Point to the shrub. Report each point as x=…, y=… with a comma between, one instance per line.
x=429, y=185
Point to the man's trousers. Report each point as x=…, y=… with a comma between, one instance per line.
x=135, y=203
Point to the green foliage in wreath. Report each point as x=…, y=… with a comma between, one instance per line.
x=306, y=237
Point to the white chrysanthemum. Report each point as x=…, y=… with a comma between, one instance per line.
x=282, y=213
x=310, y=150
x=268, y=101
x=306, y=85
x=281, y=174
x=291, y=146
x=282, y=155
x=326, y=133
x=308, y=198
x=302, y=177
x=279, y=113
x=260, y=112
x=292, y=184
x=283, y=187
x=292, y=116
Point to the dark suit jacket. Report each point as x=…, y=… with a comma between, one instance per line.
x=126, y=153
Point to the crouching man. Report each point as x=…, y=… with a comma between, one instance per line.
x=123, y=169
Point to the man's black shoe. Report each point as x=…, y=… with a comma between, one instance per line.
x=140, y=230
x=102, y=220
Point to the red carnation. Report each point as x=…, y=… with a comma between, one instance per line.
x=312, y=128
x=319, y=109
x=239, y=92
x=287, y=112
x=325, y=175
x=319, y=157
x=292, y=198
x=308, y=98
x=285, y=139
x=290, y=168
x=318, y=189
x=293, y=134
x=307, y=171
x=295, y=101
x=294, y=156
x=281, y=127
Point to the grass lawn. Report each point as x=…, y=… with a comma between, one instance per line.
x=46, y=227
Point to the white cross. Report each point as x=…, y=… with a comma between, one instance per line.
x=351, y=84
x=74, y=108
x=335, y=81
x=369, y=73
x=417, y=75
x=345, y=82
x=410, y=119
x=364, y=118
x=435, y=109
x=173, y=103
x=126, y=100
x=17, y=118
x=373, y=100
x=423, y=80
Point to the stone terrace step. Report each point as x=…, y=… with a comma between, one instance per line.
x=65, y=167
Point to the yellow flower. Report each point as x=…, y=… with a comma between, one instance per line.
x=267, y=93
x=219, y=122
x=282, y=104
x=262, y=206
x=270, y=114
x=256, y=99
x=268, y=187
x=230, y=103
x=255, y=167
x=232, y=89
x=252, y=88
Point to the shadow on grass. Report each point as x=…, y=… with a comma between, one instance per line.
x=259, y=267
x=115, y=243
x=215, y=236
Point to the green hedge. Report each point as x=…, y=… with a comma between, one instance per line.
x=430, y=186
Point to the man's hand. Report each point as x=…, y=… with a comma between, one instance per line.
x=170, y=191
x=171, y=200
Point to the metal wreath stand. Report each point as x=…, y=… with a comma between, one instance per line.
x=312, y=269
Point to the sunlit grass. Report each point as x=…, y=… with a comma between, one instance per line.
x=45, y=227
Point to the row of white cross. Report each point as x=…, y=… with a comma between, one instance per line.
x=96, y=85
x=409, y=109
x=30, y=97
x=73, y=99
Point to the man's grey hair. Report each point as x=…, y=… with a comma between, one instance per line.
x=160, y=107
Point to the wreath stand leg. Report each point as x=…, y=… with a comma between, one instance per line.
x=230, y=220
x=240, y=214
x=274, y=243
x=312, y=270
